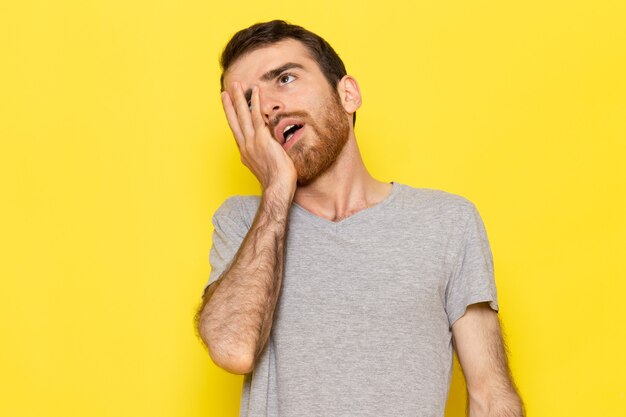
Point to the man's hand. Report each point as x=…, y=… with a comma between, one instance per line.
x=260, y=152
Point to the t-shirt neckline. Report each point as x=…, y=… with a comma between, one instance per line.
x=358, y=216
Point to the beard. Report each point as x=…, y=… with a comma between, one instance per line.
x=313, y=155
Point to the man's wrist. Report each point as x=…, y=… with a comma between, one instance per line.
x=280, y=194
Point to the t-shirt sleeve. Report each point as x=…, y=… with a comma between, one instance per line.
x=472, y=279
x=229, y=230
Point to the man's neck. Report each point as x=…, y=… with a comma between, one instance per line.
x=344, y=189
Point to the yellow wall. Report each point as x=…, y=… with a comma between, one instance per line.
x=114, y=153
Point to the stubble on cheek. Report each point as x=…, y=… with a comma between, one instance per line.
x=310, y=162
x=315, y=154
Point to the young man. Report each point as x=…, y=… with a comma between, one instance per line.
x=334, y=293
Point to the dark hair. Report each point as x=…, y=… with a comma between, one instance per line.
x=267, y=33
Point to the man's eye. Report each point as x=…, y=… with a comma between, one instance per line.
x=286, y=78
x=249, y=105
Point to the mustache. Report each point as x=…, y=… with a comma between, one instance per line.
x=296, y=114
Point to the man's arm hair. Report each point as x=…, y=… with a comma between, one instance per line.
x=482, y=354
x=237, y=311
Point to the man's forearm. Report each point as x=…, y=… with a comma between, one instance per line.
x=238, y=311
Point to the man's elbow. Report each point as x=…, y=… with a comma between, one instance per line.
x=231, y=357
x=233, y=363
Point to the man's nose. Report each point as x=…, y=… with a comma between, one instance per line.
x=270, y=104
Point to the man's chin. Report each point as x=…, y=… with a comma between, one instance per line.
x=304, y=180
x=306, y=175
x=312, y=167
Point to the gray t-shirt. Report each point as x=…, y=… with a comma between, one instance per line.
x=363, y=323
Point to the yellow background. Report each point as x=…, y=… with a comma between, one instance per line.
x=115, y=153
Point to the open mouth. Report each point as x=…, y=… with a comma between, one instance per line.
x=290, y=130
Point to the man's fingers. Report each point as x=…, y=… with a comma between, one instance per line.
x=257, y=118
x=231, y=116
x=243, y=112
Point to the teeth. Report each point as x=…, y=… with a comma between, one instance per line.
x=287, y=128
x=288, y=137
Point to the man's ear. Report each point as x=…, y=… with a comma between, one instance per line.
x=349, y=93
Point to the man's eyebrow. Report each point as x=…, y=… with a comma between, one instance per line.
x=271, y=74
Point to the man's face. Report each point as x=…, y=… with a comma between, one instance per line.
x=303, y=113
